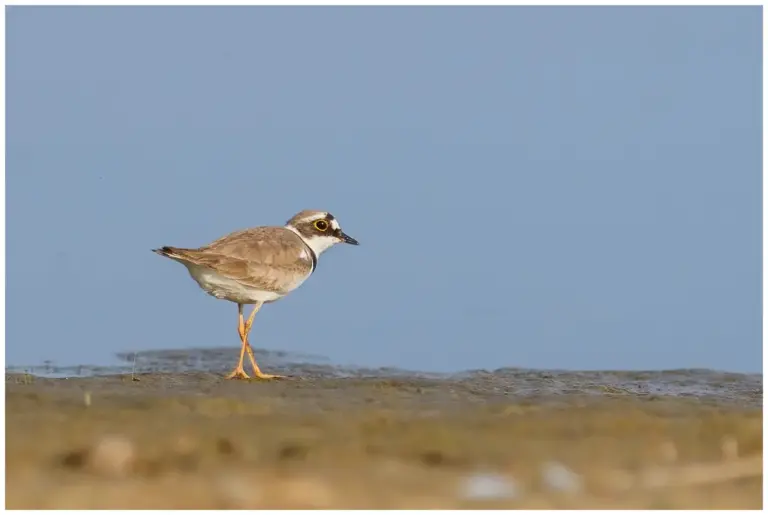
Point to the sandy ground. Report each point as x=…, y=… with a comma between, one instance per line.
x=195, y=440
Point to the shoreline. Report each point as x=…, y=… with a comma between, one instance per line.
x=705, y=384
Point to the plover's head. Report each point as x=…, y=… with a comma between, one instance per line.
x=319, y=229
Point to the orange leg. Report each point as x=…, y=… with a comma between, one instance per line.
x=243, y=329
x=239, y=372
x=247, y=329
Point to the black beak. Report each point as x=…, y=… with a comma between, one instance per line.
x=346, y=238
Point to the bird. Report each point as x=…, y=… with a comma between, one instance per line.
x=260, y=265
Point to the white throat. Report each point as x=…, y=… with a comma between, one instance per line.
x=318, y=244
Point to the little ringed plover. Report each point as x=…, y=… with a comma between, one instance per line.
x=260, y=265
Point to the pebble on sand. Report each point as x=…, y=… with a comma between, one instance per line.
x=557, y=476
x=112, y=456
x=487, y=486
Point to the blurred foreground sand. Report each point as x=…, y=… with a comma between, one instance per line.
x=194, y=440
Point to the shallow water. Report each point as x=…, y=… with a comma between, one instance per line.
x=741, y=389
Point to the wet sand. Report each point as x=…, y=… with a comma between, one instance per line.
x=169, y=432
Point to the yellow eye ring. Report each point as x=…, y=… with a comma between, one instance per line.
x=321, y=225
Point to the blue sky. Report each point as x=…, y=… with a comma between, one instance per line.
x=541, y=187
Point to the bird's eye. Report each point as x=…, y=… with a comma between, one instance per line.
x=321, y=225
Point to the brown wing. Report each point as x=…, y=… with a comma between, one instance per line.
x=268, y=258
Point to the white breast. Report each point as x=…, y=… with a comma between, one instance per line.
x=225, y=288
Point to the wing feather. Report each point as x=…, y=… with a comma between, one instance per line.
x=267, y=258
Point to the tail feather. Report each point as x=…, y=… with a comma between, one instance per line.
x=169, y=252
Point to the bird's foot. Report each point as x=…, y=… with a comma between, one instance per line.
x=261, y=375
x=238, y=373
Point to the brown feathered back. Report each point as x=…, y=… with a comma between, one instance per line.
x=274, y=259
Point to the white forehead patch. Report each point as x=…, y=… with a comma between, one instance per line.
x=335, y=224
